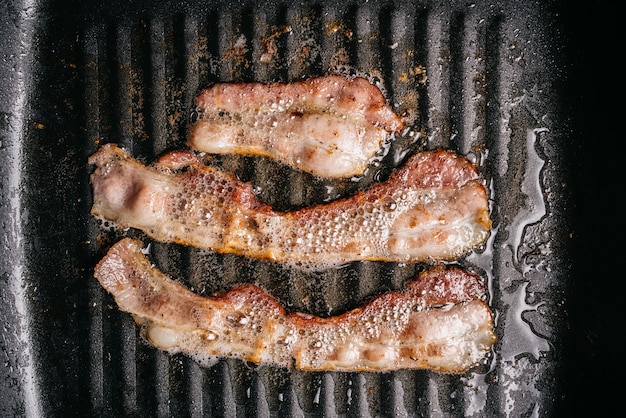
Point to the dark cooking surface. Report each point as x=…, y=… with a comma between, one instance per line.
x=76, y=75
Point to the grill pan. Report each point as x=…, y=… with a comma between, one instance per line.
x=483, y=79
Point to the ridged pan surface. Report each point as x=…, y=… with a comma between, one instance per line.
x=470, y=76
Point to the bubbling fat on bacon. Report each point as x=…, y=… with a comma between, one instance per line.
x=329, y=126
x=440, y=321
x=433, y=208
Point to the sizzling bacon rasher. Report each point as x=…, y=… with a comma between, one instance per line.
x=438, y=322
x=329, y=126
x=435, y=207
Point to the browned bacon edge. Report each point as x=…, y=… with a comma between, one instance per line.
x=350, y=95
x=438, y=322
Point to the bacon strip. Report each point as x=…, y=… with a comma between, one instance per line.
x=434, y=208
x=329, y=126
x=439, y=322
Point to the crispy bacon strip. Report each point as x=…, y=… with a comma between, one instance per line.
x=329, y=126
x=434, y=208
x=439, y=322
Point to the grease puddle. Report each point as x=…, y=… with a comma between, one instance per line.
x=521, y=339
x=510, y=284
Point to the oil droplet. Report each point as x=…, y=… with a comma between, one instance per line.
x=237, y=319
x=390, y=206
x=210, y=335
x=316, y=344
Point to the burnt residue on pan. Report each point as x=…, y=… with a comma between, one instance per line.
x=478, y=78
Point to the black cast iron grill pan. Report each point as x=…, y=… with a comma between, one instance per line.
x=473, y=77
